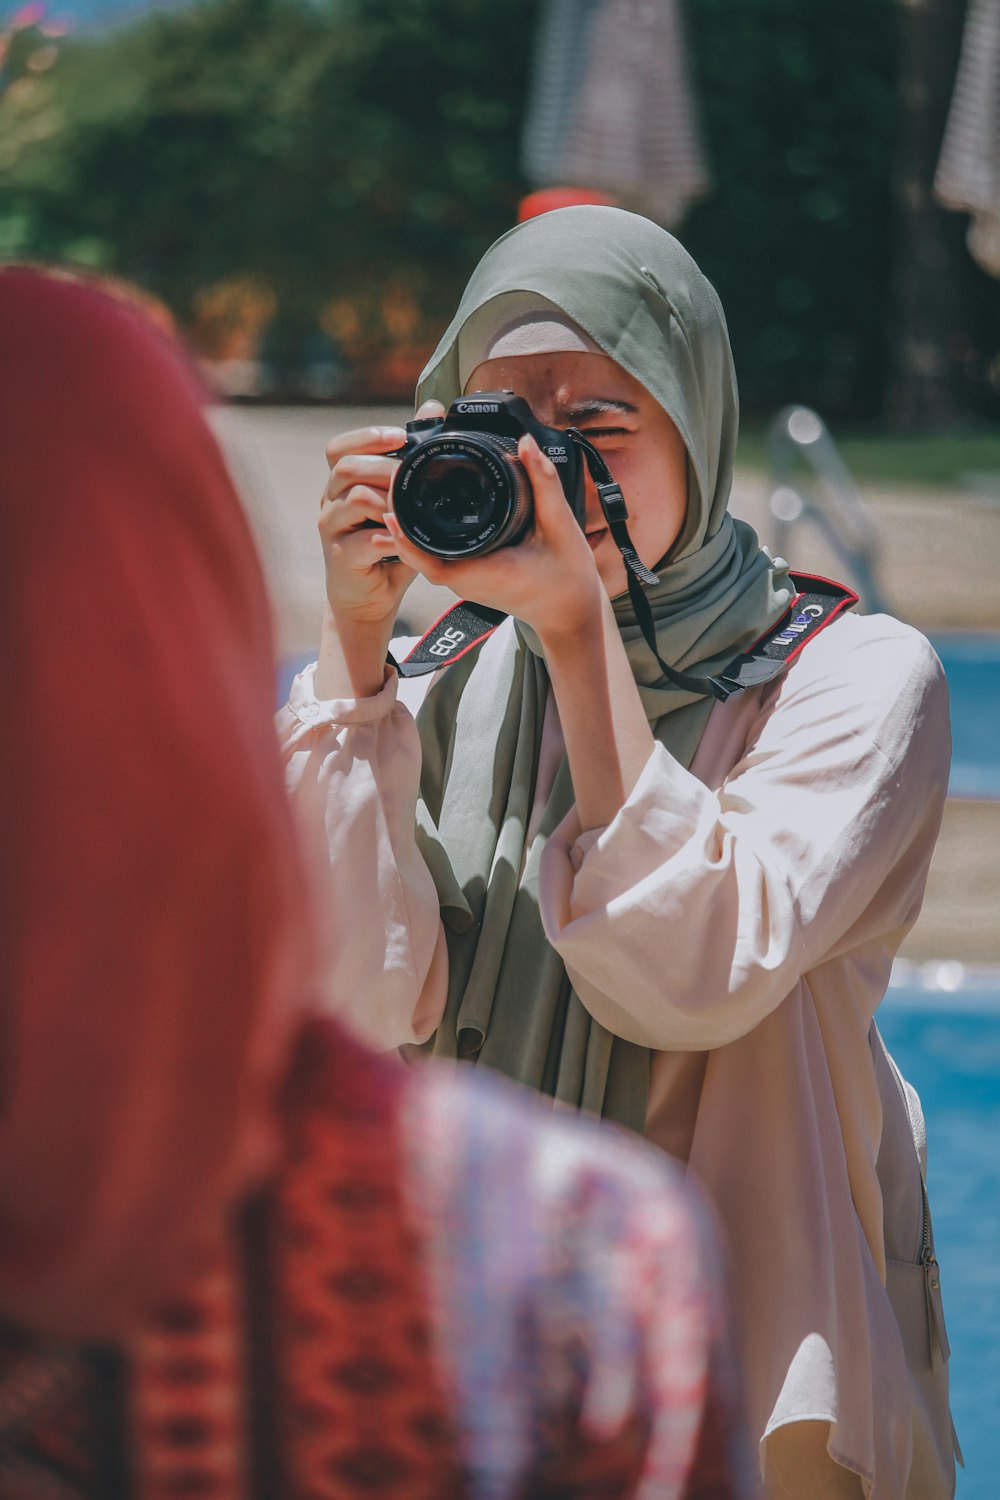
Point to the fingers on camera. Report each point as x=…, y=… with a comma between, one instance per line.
x=360, y=506
x=360, y=468
x=430, y=409
x=364, y=440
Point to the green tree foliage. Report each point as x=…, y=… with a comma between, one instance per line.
x=799, y=112
x=352, y=158
x=318, y=147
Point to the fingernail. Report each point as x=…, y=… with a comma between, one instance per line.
x=392, y=434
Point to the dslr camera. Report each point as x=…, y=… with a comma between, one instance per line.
x=461, y=491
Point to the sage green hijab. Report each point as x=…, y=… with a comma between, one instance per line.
x=637, y=293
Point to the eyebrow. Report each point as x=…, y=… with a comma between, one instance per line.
x=581, y=411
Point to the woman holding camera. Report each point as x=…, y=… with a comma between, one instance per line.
x=676, y=913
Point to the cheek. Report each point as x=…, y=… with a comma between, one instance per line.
x=657, y=501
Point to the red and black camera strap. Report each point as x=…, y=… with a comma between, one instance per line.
x=817, y=602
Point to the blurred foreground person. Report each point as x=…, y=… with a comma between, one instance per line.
x=653, y=841
x=239, y=1255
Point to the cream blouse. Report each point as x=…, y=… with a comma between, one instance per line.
x=741, y=919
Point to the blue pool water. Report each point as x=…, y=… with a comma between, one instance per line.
x=972, y=666
x=288, y=668
x=948, y=1045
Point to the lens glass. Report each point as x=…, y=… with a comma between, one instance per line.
x=455, y=498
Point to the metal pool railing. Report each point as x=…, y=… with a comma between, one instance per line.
x=811, y=482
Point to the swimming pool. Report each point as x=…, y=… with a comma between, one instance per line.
x=942, y=1024
x=972, y=666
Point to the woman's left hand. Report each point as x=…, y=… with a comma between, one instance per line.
x=549, y=579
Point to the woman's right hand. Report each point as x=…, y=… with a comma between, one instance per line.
x=362, y=586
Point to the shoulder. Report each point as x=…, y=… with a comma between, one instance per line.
x=870, y=672
x=872, y=648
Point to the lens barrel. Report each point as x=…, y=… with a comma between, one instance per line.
x=462, y=494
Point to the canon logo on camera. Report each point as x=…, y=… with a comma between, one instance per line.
x=476, y=408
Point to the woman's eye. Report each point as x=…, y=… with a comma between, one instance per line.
x=604, y=432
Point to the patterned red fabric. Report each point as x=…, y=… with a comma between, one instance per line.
x=363, y=1409
x=50, y=1427
x=297, y=1363
x=186, y=1420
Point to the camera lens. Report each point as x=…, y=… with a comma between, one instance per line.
x=456, y=496
x=462, y=494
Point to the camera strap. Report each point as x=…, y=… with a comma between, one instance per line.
x=816, y=603
x=813, y=606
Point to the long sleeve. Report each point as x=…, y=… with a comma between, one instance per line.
x=698, y=909
x=353, y=766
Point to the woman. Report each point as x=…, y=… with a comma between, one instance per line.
x=241, y=1255
x=676, y=913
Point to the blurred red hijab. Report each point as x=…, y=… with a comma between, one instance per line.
x=153, y=914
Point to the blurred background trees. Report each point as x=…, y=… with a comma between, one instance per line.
x=325, y=169
x=307, y=183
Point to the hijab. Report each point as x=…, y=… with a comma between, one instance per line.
x=633, y=291
x=153, y=908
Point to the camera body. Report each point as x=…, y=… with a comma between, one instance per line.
x=461, y=490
